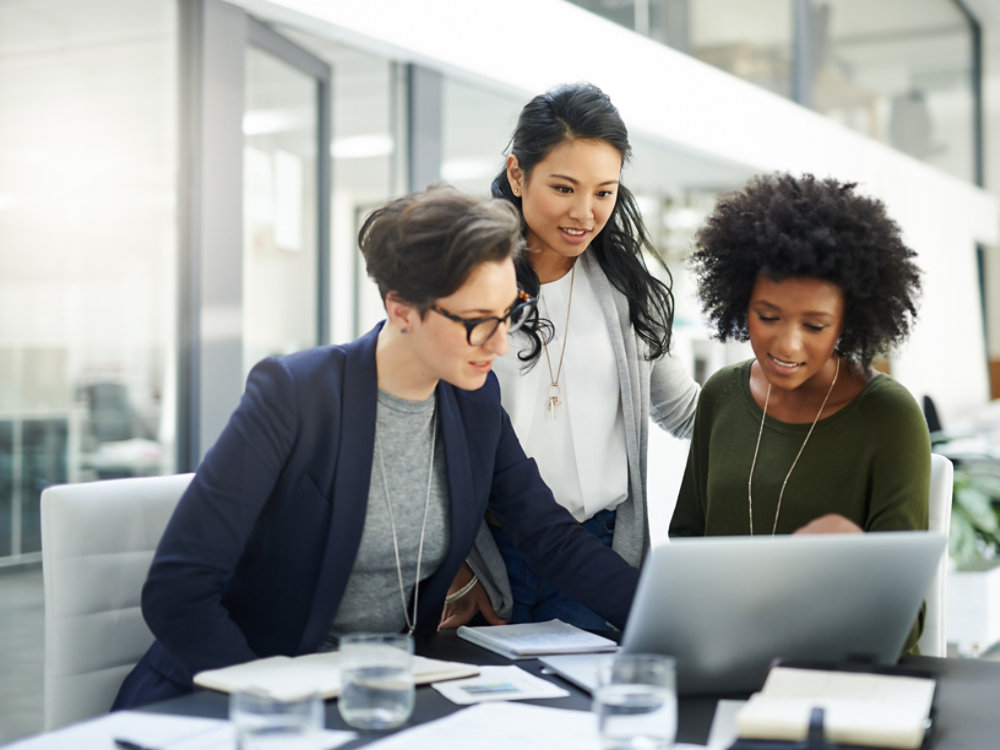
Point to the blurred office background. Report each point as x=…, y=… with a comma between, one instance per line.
x=181, y=182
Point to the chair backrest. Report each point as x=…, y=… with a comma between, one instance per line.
x=931, y=415
x=933, y=641
x=98, y=539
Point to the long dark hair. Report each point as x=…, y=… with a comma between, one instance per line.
x=582, y=111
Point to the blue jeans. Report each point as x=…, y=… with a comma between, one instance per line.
x=535, y=601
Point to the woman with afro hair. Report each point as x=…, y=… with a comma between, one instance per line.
x=805, y=436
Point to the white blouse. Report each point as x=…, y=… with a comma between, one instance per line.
x=580, y=451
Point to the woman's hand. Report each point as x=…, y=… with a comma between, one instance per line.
x=461, y=610
x=831, y=523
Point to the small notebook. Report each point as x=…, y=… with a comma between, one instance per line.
x=528, y=640
x=859, y=708
x=290, y=677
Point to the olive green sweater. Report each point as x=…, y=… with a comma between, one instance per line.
x=870, y=462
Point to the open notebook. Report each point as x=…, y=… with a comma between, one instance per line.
x=289, y=677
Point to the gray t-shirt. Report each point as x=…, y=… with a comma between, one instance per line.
x=372, y=600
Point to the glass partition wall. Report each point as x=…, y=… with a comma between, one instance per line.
x=368, y=150
x=904, y=72
x=94, y=231
x=88, y=112
x=284, y=233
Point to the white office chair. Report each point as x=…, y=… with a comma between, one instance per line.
x=98, y=539
x=933, y=640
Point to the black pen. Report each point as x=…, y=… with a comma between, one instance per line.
x=129, y=745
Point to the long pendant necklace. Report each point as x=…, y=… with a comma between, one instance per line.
x=411, y=622
x=552, y=400
x=760, y=432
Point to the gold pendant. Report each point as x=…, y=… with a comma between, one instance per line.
x=553, y=401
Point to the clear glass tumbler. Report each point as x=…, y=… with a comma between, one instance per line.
x=376, y=680
x=636, y=702
x=265, y=722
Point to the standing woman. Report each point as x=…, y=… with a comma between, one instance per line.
x=581, y=382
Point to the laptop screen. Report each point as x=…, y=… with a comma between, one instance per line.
x=726, y=607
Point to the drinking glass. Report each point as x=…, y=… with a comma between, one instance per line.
x=636, y=702
x=265, y=722
x=376, y=676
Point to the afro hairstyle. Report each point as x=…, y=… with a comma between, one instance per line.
x=780, y=227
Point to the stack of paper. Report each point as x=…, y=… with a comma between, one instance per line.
x=289, y=677
x=530, y=639
x=501, y=726
x=859, y=708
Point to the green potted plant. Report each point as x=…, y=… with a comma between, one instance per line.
x=974, y=549
x=974, y=541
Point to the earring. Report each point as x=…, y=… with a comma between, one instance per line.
x=404, y=330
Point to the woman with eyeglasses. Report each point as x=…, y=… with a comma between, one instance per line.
x=581, y=384
x=351, y=480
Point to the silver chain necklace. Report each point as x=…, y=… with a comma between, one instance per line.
x=760, y=432
x=411, y=622
x=552, y=400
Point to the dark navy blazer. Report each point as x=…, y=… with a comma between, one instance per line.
x=256, y=557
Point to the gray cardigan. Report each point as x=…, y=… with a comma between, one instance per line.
x=662, y=390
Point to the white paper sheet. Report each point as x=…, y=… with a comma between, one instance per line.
x=151, y=730
x=723, y=732
x=501, y=726
x=499, y=684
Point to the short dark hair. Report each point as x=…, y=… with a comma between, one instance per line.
x=423, y=246
x=581, y=111
x=779, y=226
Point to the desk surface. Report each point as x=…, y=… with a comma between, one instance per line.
x=967, y=697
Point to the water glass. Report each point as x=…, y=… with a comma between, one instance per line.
x=636, y=702
x=376, y=677
x=265, y=722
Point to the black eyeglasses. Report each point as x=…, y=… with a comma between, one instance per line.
x=479, y=330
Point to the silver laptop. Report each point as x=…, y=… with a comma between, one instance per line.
x=726, y=607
